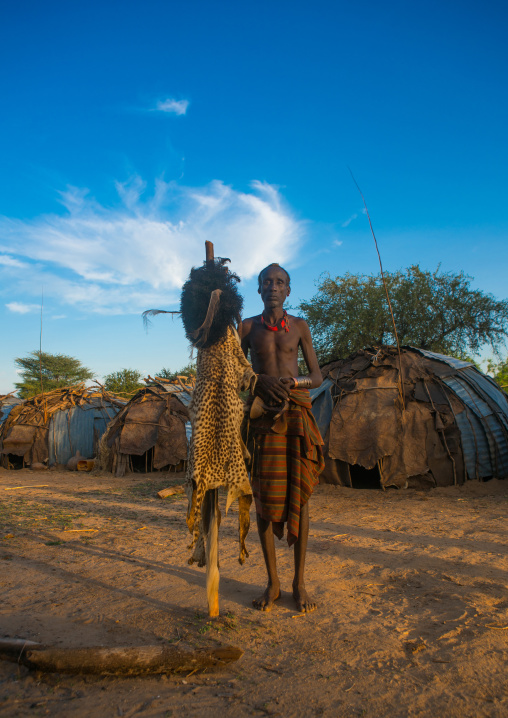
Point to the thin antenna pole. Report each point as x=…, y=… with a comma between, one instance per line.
x=401, y=389
x=40, y=343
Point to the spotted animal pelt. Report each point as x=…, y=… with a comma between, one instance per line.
x=217, y=453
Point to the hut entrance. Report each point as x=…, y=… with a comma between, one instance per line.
x=145, y=463
x=11, y=461
x=362, y=478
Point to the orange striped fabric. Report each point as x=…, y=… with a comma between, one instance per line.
x=286, y=463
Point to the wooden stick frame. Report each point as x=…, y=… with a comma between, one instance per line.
x=211, y=522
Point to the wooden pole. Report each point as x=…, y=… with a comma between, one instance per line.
x=211, y=522
x=209, y=252
x=212, y=553
x=118, y=660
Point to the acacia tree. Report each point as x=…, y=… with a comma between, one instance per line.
x=499, y=370
x=50, y=370
x=189, y=371
x=438, y=311
x=125, y=381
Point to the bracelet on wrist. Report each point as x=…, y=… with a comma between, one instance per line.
x=302, y=382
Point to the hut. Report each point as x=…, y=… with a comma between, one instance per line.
x=151, y=433
x=7, y=404
x=448, y=424
x=52, y=427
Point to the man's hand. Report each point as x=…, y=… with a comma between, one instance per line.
x=271, y=390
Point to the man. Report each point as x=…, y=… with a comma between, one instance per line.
x=287, y=455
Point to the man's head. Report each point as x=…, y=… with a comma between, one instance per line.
x=270, y=266
x=274, y=285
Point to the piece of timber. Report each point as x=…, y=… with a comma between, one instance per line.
x=125, y=660
x=164, y=493
x=11, y=648
x=212, y=520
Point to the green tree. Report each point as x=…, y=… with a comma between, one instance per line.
x=438, y=311
x=56, y=370
x=189, y=371
x=499, y=371
x=125, y=381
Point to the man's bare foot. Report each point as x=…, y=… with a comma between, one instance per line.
x=304, y=604
x=265, y=603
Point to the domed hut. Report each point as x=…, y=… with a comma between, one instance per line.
x=150, y=433
x=52, y=427
x=448, y=425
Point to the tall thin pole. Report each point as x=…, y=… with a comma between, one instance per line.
x=40, y=343
x=401, y=386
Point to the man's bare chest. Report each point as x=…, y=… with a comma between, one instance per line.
x=263, y=341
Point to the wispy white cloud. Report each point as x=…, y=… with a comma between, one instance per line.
x=139, y=253
x=337, y=242
x=8, y=261
x=349, y=220
x=21, y=308
x=173, y=107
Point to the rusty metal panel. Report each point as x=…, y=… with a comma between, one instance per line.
x=74, y=430
x=451, y=361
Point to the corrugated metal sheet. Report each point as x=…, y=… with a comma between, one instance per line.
x=498, y=446
x=475, y=446
x=5, y=410
x=483, y=426
x=470, y=397
x=181, y=394
x=75, y=429
x=491, y=392
x=322, y=405
x=451, y=361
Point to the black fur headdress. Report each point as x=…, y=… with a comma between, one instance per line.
x=210, y=302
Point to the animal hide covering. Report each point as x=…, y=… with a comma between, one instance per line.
x=217, y=453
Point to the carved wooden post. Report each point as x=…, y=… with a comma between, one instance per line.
x=211, y=522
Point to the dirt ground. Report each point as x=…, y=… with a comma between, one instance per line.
x=412, y=591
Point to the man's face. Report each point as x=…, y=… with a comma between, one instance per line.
x=274, y=287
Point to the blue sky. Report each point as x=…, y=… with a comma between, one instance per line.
x=131, y=132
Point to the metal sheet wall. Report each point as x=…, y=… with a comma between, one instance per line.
x=74, y=430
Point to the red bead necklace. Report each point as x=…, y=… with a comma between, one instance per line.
x=284, y=323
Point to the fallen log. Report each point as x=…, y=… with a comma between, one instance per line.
x=123, y=660
x=11, y=648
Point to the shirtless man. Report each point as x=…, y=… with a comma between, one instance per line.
x=281, y=483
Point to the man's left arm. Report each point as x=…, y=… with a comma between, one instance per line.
x=310, y=355
x=314, y=378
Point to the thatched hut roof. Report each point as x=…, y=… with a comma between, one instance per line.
x=51, y=427
x=150, y=431
x=452, y=426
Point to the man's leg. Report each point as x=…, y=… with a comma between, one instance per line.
x=303, y=603
x=272, y=593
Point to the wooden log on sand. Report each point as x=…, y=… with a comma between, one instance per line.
x=164, y=493
x=123, y=660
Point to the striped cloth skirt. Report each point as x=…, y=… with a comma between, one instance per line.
x=286, y=463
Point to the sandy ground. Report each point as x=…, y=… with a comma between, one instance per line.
x=412, y=591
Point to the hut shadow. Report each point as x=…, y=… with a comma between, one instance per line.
x=414, y=539
x=102, y=505
x=231, y=589
x=409, y=555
